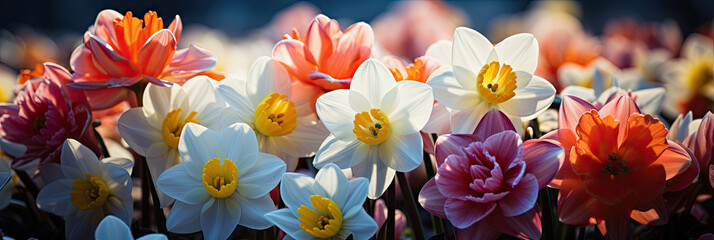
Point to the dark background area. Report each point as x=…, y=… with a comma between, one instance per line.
x=240, y=17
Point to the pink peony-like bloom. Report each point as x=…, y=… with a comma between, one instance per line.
x=325, y=58
x=488, y=182
x=46, y=112
x=120, y=51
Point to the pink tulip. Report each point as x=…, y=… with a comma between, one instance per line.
x=45, y=113
x=120, y=51
x=325, y=58
x=488, y=182
x=380, y=216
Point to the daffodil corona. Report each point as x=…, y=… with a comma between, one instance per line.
x=275, y=116
x=172, y=125
x=323, y=220
x=371, y=127
x=89, y=193
x=220, y=179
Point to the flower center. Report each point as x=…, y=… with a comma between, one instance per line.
x=700, y=73
x=496, y=83
x=322, y=222
x=275, y=116
x=90, y=193
x=371, y=130
x=172, y=126
x=615, y=165
x=220, y=179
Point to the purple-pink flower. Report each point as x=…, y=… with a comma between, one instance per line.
x=46, y=112
x=488, y=182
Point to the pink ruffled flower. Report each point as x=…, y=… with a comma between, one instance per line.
x=325, y=58
x=488, y=182
x=46, y=112
x=119, y=51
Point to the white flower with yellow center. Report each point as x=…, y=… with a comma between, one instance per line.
x=326, y=207
x=284, y=126
x=153, y=130
x=483, y=76
x=223, y=181
x=90, y=190
x=689, y=80
x=374, y=126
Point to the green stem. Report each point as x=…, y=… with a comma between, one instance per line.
x=158, y=213
x=100, y=140
x=546, y=214
x=391, y=205
x=411, y=205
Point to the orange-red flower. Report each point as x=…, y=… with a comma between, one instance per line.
x=620, y=165
x=120, y=51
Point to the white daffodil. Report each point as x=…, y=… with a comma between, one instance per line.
x=284, y=126
x=683, y=126
x=223, y=181
x=374, y=126
x=690, y=79
x=153, y=130
x=6, y=175
x=482, y=76
x=326, y=207
x=90, y=190
x=111, y=227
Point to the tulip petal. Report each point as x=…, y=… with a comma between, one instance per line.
x=451, y=144
x=291, y=53
x=431, y=199
x=464, y=213
x=521, y=198
x=176, y=27
x=477, y=231
x=108, y=60
x=189, y=61
x=675, y=160
x=615, y=225
x=621, y=108
x=492, y=123
x=655, y=216
x=571, y=108
x=543, y=159
x=156, y=53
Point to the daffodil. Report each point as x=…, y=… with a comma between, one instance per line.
x=326, y=207
x=284, y=126
x=483, y=76
x=374, y=126
x=690, y=79
x=112, y=227
x=223, y=181
x=153, y=130
x=90, y=190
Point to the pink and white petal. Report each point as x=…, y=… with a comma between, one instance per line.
x=686, y=178
x=363, y=33
x=470, y=49
x=571, y=108
x=520, y=51
x=453, y=178
x=220, y=218
x=139, y=133
x=175, y=183
x=531, y=101
x=493, y=122
x=575, y=204
x=156, y=53
x=452, y=144
x=261, y=178
x=106, y=98
x=521, y=198
x=431, y=199
x=176, y=27
x=543, y=159
x=110, y=61
x=675, y=159
x=464, y=213
x=402, y=153
x=266, y=76
x=438, y=121
x=104, y=24
x=465, y=121
x=373, y=80
x=410, y=108
x=380, y=176
x=441, y=51
x=395, y=63
x=448, y=91
x=189, y=61
x=506, y=147
x=182, y=218
x=344, y=153
x=318, y=43
x=336, y=113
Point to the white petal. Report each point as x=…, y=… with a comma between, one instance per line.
x=176, y=183
x=441, y=51
x=448, y=91
x=140, y=134
x=253, y=211
x=112, y=228
x=680, y=128
x=159, y=101
x=55, y=198
x=308, y=136
x=11, y=148
x=262, y=177
x=118, y=180
x=335, y=112
x=285, y=220
x=520, y=51
x=531, y=101
x=125, y=163
x=402, y=153
x=359, y=102
x=471, y=49
x=118, y=207
x=153, y=236
x=159, y=165
x=380, y=176
x=465, y=121
x=358, y=193
x=183, y=218
x=266, y=76
x=198, y=145
x=331, y=178
x=237, y=100
x=76, y=159
x=697, y=46
x=296, y=189
x=201, y=92
x=343, y=153
x=372, y=79
x=82, y=226
x=650, y=100
x=240, y=145
x=218, y=220
x=411, y=108
x=361, y=225
x=282, y=147
x=582, y=92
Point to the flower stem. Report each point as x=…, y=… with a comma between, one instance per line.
x=546, y=214
x=391, y=202
x=145, y=222
x=158, y=213
x=411, y=205
x=100, y=140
